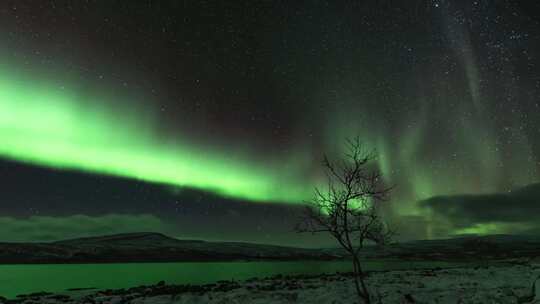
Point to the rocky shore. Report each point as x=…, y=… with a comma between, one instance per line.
x=495, y=284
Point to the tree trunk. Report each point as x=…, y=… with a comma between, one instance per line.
x=359, y=282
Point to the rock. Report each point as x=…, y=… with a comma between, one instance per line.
x=409, y=298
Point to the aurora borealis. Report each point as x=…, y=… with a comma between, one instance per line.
x=52, y=126
x=197, y=115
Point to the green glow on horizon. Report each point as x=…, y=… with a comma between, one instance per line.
x=51, y=126
x=495, y=228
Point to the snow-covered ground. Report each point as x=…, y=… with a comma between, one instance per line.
x=496, y=284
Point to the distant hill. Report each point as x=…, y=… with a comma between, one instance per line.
x=466, y=247
x=156, y=247
x=147, y=247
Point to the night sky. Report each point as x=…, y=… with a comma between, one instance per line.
x=209, y=119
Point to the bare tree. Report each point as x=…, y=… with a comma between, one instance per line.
x=348, y=207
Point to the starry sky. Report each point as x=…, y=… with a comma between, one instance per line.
x=209, y=119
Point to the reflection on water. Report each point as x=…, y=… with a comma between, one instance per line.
x=23, y=279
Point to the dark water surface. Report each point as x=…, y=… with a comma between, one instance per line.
x=24, y=279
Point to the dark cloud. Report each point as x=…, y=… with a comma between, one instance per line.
x=513, y=212
x=40, y=195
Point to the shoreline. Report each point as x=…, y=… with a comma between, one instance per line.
x=498, y=283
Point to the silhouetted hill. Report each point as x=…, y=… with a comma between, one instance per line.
x=466, y=247
x=156, y=247
x=146, y=247
x=127, y=239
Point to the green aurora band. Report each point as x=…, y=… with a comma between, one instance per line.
x=49, y=125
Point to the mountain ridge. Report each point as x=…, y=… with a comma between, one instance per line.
x=148, y=247
x=142, y=247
